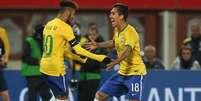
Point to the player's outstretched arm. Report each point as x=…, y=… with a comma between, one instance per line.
x=81, y=51
x=93, y=45
x=77, y=48
x=70, y=55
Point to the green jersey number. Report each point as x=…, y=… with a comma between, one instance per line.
x=47, y=45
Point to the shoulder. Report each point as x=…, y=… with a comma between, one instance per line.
x=2, y=29
x=67, y=27
x=63, y=24
x=196, y=62
x=132, y=30
x=59, y=23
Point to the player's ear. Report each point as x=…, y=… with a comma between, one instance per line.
x=67, y=12
x=121, y=16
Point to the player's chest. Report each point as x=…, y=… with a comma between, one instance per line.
x=119, y=39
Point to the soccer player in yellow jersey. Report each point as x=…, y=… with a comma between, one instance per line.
x=56, y=34
x=4, y=56
x=129, y=78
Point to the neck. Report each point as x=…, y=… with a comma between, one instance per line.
x=122, y=25
x=61, y=17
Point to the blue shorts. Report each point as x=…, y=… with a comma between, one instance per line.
x=118, y=85
x=57, y=84
x=3, y=84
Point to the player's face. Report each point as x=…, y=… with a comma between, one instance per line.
x=114, y=17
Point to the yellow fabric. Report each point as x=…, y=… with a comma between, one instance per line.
x=77, y=66
x=133, y=64
x=81, y=51
x=56, y=34
x=71, y=56
x=83, y=40
x=3, y=36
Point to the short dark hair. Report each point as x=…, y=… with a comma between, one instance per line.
x=122, y=9
x=91, y=24
x=68, y=4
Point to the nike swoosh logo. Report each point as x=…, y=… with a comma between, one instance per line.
x=134, y=94
x=73, y=42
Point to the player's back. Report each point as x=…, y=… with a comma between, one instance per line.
x=52, y=62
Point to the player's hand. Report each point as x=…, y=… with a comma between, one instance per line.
x=91, y=45
x=3, y=61
x=85, y=60
x=106, y=61
x=111, y=65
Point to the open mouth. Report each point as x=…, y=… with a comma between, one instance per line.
x=112, y=21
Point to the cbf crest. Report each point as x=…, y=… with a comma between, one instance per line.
x=122, y=39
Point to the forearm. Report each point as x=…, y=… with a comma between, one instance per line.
x=106, y=44
x=78, y=58
x=70, y=55
x=81, y=51
x=126, y=52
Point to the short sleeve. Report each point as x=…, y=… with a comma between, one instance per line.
x=131, y=37
x=4, y=37
x=68, y=33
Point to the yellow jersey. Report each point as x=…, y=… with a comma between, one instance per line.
x=56, y=35
x=133, y=64
x=4, y=37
